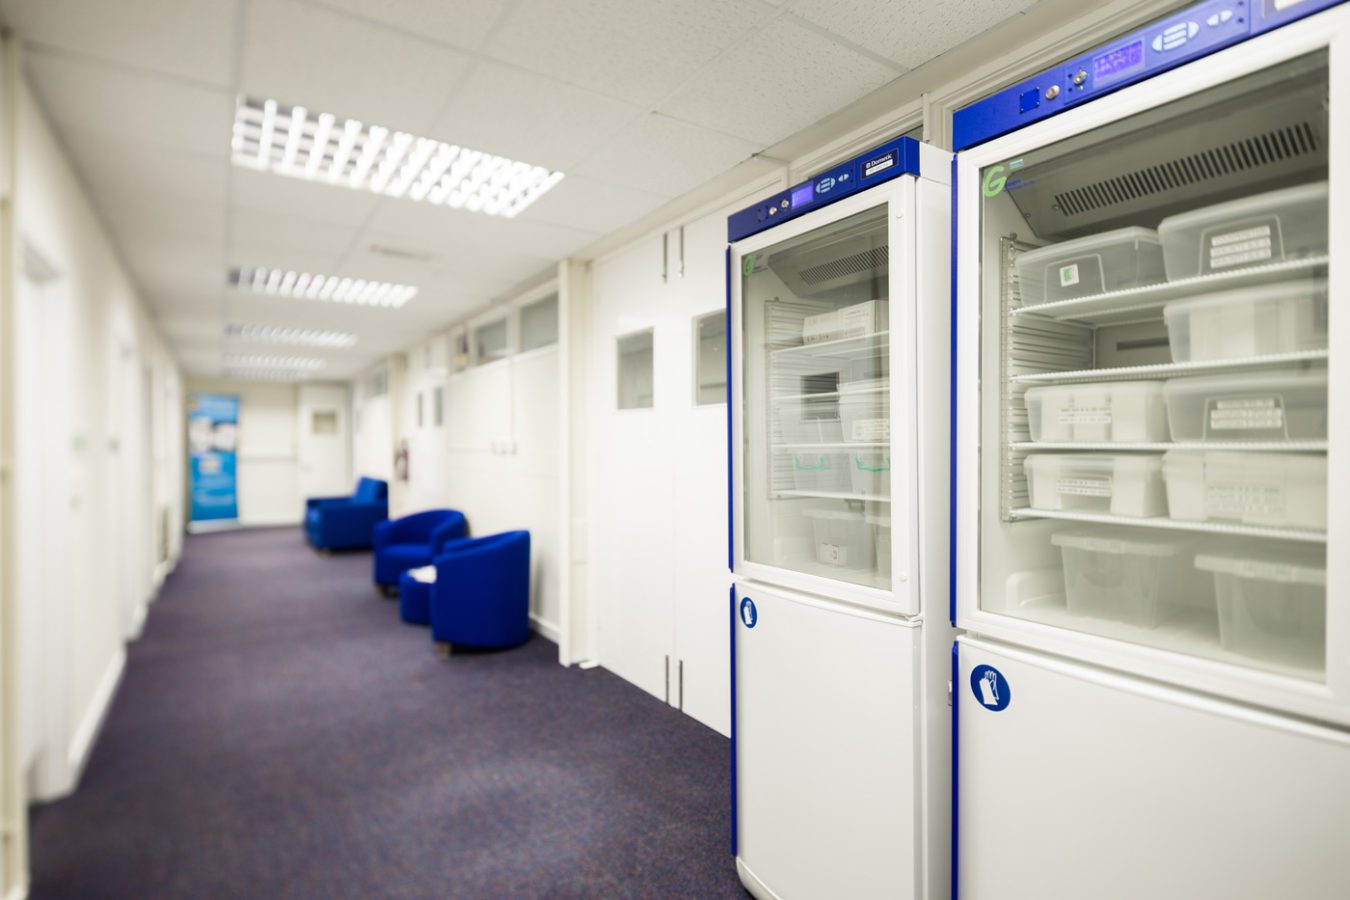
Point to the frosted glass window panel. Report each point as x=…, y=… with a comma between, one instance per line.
x=491, y=341
x=324, y=421
x=459, y=351
x=419, y=409
x=438, y=407
x=710, y=360
x=539, y=323
x=635, y=371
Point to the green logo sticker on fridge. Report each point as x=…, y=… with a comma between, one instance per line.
x=1068, y=275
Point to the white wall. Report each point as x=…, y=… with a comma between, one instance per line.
x=94, y=384
x=373, y=425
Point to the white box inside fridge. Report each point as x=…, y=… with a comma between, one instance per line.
x=870, y=472
x=1249, y=406
x=1123, y=574
x=842, y=538
x=1272, y=601
x=1119, y=484
x=857, y=320
x=1116, y=411
x=1278, y=490
x=1286, y=317
x=1249, y=231
x=864, y=411
x=821, y=470
x=1110, y=261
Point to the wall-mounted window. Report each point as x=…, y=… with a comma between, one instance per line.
x=438, y=407
x=490, y=340
x=419, y=410
x=323, y=421
x=539, y=323
x=635, y=371
x=378, y=385
x=710, y=359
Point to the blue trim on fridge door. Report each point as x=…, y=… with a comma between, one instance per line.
x=735, y=822
x=956, y=758
x=951, y=437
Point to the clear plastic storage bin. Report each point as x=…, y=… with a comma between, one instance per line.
x=1122, y=485
x=813, y=420
x=1251, y=406
x=843, y=538
x=814, y=470
x=864, y=411
x=1111, y=261
x=1252, y=321
x=881, y=523
x=1123, y=574
x=1115, y=411
x=1272, y=601
x=1278, y=490
x=1251, y=231
x=870, y=471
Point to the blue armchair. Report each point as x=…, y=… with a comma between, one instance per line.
x=413, y=541
x=347, y=523
x=481, y=597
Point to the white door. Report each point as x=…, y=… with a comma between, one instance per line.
x=1088, y=784
x=826, y=767
x=324, y=441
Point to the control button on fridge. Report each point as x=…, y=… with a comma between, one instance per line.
x=1052, y=92
x=1226, y=15
x=1080, y=76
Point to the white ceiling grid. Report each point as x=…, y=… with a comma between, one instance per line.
x=636, y=101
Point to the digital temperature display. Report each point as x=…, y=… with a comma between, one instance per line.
x=1118, y=62
x=801, y=196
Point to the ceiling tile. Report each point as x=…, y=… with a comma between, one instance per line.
x=290, y=232
x=146, y=169
x=779, y=81
x=191, y=39
x=460, y=23
x=245, y=250
x=264, y=192
x=594, y=205
x=665, y=156
x=332, y=63
x=912, y=31
x=131, y=107
x=419, y=228
x=521, y=115
x=636, y=50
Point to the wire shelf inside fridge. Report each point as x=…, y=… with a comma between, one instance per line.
x=847, y=348
x=1165, y=370
x=1162, y=446
x=1146, y=302
x=1224, y=528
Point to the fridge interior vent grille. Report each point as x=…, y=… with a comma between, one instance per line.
x=1258, y=150
x=865, y=261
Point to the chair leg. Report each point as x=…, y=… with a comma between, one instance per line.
x=443, y=649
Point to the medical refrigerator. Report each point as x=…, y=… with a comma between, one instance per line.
x=839, y=310
x=1152, y=510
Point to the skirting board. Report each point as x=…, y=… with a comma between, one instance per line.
x=83, y=740
x=547, y=629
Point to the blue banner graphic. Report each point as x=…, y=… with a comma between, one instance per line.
x=213, y=435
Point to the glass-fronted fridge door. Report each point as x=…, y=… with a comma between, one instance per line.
x=819, y=311
x=1152, y=346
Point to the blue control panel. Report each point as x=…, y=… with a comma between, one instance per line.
x=1167, y=43
x=899, y=157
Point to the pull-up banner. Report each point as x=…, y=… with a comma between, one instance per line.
x=213, y=434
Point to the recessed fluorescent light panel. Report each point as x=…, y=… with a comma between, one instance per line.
x=291, y=140
x=279, y=334
x=246, y=374
x=321, y=287
x=270, y=361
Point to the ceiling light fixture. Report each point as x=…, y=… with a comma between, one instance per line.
x=334, y=288
x=270, y=361
x=291, y=141
x=245, y=373
x=280, y=334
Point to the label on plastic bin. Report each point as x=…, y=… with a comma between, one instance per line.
x=833, y=554
x=1244, y=500
x=1068, y=275
x=1247, y=245
x=1247, y=414
x=1084, y=487
x=1085, y=415
x=870, y=431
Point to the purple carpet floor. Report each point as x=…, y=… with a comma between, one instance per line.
x=280, y=733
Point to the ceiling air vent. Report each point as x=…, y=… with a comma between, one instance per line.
x=1266, y=149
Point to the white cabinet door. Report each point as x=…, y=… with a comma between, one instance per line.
x=323, y=440
x=1088, y=784
x=826, y=703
